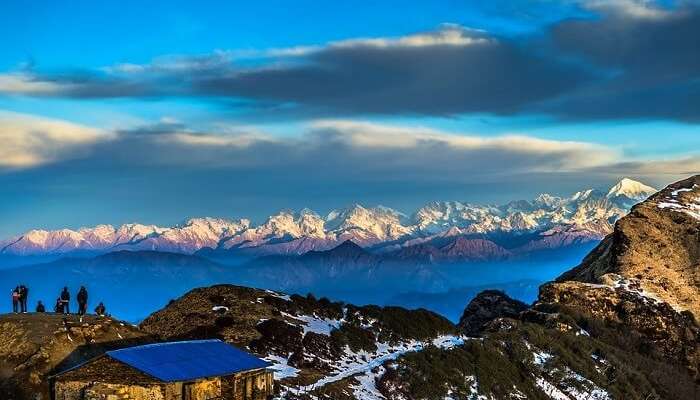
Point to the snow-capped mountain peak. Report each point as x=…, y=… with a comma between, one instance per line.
x=367, y=225
x=582, y=195
x=548, y=200
x=631, y=189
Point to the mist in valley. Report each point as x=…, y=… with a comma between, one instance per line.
x=134, y=284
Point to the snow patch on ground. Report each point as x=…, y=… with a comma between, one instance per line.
x=550, y=390
x=474, y=389
x=582, y=332
x=279, y=295
x=688, y=206
x=324, y=326
x=676, y=192
x=593, y=393
x=601, y=364
x=633, y=286
x=564, y=391
x=366, y=388
x=448, y=341
x=281, y=368
x=540, y=358
x=219, y=308
x=310, y=323
x=354, y=363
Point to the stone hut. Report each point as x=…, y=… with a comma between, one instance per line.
x=190, y=370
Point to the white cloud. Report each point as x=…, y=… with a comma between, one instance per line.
x=571, y=155
x=642, y=9
x=212, y=140
x=447, y=35
x=26, y=84
x=30, y=141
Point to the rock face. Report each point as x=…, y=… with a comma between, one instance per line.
x=34, y=346
x=649, y=325
x=658, y=244
x=487, y=306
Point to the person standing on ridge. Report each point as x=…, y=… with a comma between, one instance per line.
x=23, y=296
x=65, y=300
x=15, y=300
x=82, y=300
x=40, y=307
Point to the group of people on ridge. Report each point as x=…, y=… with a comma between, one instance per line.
x=21, y=293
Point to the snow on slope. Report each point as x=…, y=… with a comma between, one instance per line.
x=684, y=200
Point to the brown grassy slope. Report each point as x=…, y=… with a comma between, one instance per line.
x=658, y=247
x=35, y=346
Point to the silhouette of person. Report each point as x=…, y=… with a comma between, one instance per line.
x=100, y=309
x=15, y=299
x=65, y=300
x=23, y=296
x=82, y=300
x=40, y=307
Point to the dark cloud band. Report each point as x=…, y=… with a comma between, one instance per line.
x=628, y=60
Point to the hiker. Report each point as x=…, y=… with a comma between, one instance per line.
x=23, y=296
x=58, y=308
x=100, y=310
x=15, y=299
x=40, y=307
x=82, y=300
x=65, y=300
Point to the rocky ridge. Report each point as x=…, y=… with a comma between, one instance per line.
x=312, y=343
x=35, y=346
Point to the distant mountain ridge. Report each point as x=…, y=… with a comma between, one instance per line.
x=585, y=216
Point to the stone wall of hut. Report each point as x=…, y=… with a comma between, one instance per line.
x=251, y=385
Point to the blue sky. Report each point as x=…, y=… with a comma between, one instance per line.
x=121, y=112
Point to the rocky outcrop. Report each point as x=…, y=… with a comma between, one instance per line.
x=35, y=346
x=485, y=307
x=643, y=323
x=658, y=244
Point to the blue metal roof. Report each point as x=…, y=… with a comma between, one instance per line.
x=190, y=360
